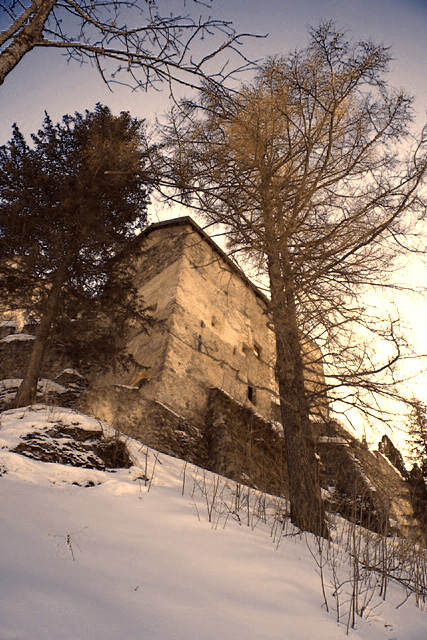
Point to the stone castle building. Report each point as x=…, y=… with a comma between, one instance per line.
x=211, y=329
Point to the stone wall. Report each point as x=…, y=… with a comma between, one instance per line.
x=14, y=356
x=231, y=440
x=219, y=334
x=364, y=486
x=155, y=262
x=234, y=441
x=7, y=327
x=211, y=327
x=243, y=446
x=149, y=421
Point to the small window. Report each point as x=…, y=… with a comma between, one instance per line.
x=251, y=394
x=201, y=347
x=256, y=350
x=217, y=322
x=202, y=324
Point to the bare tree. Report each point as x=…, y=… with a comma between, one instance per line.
x=315, y=175
x=137, y=42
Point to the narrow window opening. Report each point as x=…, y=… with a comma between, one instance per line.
x=199, y=344
x=257, y=351
x=252, y=394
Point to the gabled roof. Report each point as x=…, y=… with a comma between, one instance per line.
x=187, y=221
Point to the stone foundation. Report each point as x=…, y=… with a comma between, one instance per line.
x=243, y=446
x=231, y=439
x=152, y=423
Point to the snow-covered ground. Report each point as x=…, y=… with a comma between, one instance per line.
x=141, y=554
x=18, y=337
x=9, y=387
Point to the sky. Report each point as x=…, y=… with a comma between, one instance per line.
x=44, y=80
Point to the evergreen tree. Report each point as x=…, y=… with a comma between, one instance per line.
x=418, y=440
x=68, y=204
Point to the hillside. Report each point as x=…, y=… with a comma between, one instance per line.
x=161, y=550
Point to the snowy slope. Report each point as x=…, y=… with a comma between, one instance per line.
x=135, y=557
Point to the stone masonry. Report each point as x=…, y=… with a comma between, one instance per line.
x=211, y=331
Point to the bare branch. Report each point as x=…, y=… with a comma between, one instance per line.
x=156, y=48
x=310, y=171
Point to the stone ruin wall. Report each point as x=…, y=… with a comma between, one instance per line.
x=207, y=321
x=15, y=351
x=234, y=441
x=230, y=439
x=366, y=487
x=211, y=330
x=217, y=322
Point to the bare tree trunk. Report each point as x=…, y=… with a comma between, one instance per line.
x=27, y=37
x=307, y=509
x=27, y=391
